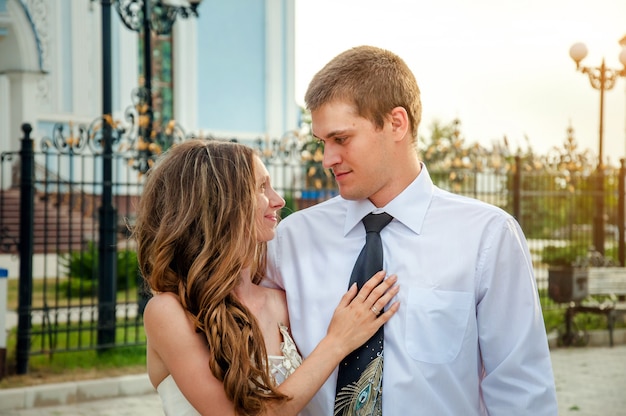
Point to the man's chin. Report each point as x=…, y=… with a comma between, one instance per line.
x=350, y=196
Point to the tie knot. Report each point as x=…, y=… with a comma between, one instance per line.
x=376, y=222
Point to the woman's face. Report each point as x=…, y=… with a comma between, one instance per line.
x=268, y=203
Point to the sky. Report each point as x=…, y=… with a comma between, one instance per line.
x=502, y=67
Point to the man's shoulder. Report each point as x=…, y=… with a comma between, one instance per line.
x=468, y=210
x=467, y=202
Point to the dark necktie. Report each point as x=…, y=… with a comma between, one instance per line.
x=360, y=379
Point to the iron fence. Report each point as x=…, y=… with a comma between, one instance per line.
x=51, y=219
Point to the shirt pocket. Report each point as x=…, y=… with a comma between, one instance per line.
x=436, y=323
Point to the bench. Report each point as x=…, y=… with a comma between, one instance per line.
x=609, y=282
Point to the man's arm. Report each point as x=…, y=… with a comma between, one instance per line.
x=518, y=378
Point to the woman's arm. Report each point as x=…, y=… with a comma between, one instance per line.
x=177, y=349
x=185, y=354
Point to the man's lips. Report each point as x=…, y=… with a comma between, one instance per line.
x=340, y=174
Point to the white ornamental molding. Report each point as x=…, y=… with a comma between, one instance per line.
x=38, y=15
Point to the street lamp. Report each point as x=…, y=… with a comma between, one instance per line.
x=622, y=43
x=145, y=17
x=159, y=14
x=602, y=79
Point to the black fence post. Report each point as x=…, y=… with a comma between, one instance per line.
x=598, y=218
x=621, y=215
x=25, y=297
x=107, y=265
x=517, y=189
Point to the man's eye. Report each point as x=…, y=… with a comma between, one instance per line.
x=340, y=140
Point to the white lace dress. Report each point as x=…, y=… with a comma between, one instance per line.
x=281, y=367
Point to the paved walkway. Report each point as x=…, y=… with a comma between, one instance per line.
x=590, y=382
x=144, y=405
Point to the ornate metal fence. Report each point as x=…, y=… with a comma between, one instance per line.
x=64, y=216
x=60, y=196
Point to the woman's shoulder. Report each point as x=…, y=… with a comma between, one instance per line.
x=165, y=316
x=164, y=304
x=164, y=299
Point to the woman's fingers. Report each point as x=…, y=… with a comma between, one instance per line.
x=374, y=288
x=388, y=313
x=348, y=296
x=359, y=315
x=374, y=295
x=379, y=303
x=371, y=284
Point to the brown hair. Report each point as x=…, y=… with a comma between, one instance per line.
x=374, y=80
x=195, y=232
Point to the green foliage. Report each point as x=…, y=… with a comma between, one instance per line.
x=81, y=267
x=290, y=205
x=577, y=254
x=312, y=152
x=567, y=255
x=79, y=288
x=553, y=319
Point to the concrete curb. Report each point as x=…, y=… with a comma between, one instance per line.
x=74, y=392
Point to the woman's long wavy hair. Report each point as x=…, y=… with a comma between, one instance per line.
x=195, y=232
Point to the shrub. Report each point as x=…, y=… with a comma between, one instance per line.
x=82, y=269
x=568, y=255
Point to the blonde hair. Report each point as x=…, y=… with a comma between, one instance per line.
x=374, y=80
x=195, y=232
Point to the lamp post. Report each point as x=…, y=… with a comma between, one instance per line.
x=145, y=17
x=622, y=43
x=603, y=79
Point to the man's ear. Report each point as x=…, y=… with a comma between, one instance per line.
x=399, y=122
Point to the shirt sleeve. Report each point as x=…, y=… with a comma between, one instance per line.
x=517, y=370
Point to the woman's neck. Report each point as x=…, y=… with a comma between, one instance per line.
x=246, y=291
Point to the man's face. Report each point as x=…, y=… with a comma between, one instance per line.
x=355, y=150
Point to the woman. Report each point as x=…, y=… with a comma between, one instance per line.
x=217, y=342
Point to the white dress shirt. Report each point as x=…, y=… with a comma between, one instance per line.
x=469, y=337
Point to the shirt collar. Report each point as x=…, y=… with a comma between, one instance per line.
x=409, y=207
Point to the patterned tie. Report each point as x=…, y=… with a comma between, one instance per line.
x=360, y=379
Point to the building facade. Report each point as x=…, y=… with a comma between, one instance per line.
x=229, y=73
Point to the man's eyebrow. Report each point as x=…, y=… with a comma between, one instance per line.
x=334, y=133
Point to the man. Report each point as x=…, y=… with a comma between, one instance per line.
x=469, y=337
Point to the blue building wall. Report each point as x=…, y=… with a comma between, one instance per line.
x=231, y=66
